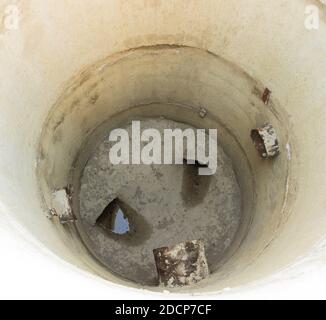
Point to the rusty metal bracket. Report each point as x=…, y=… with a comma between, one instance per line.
x=266, y=96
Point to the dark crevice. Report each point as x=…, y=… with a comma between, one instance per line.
x=114, y=219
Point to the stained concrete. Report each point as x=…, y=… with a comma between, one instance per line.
x=167, y=205
x=225, y=53
x=176, y=82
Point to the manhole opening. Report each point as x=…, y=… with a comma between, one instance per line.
x=114, y=219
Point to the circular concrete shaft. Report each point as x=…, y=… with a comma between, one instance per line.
x=164, y=205
x=63, y=75
x=175, y=83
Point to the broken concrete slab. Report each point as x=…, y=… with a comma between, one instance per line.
x=61, y=206
x=181, y=265
x=266, y=141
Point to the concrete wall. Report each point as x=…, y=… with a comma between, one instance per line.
x=257, y=44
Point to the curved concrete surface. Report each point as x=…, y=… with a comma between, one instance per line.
x=70, y=67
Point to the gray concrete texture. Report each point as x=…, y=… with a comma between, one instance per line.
x=171, y=204
x=72, y=66
x=175, y=83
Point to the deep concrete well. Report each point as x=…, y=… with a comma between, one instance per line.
x=170, y=204
x=72, y=66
